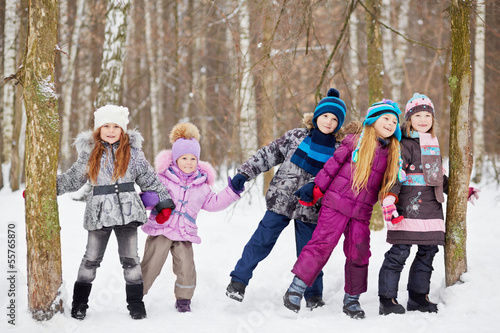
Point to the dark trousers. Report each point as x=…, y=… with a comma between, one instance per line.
x=419, y=279
x=262, y=242
x=97, y=241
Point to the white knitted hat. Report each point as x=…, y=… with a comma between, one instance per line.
x=111, y=114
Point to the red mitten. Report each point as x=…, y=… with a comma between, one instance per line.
x=398, y=219
x=23, y=194
x=317, y=194
x=163, y=215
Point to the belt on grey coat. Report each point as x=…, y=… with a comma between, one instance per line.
x=116, y=188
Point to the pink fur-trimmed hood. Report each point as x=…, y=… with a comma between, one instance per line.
x=164, y=160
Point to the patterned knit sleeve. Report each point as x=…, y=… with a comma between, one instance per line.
x=268, y=156
x=76, y=176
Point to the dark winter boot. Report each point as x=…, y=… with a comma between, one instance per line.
x=390, y=305
x=183, y=305
x=134, y=299
x=236, y=290
x=81, y=292
x=352, y=308
x=314, y=302
x=420, y=302
x=294, y=294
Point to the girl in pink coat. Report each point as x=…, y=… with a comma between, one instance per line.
x=188, y=182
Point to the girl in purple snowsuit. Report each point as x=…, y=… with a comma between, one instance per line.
x=361, y=171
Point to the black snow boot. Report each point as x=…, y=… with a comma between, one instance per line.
x=314, y=302
x=236, y=290
x=134, y=299
x=81, y=292
x=390, y=305
x=420, y=302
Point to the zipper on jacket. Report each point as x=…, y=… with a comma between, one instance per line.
x=117, y=193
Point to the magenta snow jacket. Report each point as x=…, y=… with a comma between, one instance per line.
x=190, y=194
x=335, y=181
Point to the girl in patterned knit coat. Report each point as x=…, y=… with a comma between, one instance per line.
x=111, y=158
x=413, y=211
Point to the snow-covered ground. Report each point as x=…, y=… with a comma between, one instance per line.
x=471, y=306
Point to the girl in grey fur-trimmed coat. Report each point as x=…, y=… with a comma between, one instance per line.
x=112, y=160
x=301, y=153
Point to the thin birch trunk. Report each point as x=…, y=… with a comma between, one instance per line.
x=247, y=106
x=9, y=67
x=110, y=80
x=2, y=26
x=16, y=160
x=354, y=64
x=479, y=78
x=153, y=77
x=68, y=83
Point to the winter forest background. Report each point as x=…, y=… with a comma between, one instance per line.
x=243, y=71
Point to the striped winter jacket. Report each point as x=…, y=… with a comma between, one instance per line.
x=423, y=222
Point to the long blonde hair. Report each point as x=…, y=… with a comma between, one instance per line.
x=122, y=157
x=363, y=167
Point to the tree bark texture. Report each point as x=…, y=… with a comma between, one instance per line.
x=460, y=153
x=110, y=80
x=375, y=79
x=42, y=142
x=9, y=66
x=17, y=149
x=2, y=25
x=479, y=79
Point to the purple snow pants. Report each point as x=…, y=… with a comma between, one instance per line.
x=315, y=255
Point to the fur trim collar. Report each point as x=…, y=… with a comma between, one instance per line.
x=85, y=143
x=164, y=160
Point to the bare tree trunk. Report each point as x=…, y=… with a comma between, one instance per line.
x=9, y=66
x=42, y=142
x=374, y=50
x=247, y=109
x=110, y=80
x=479, y=75
x=353, y=68
x=460, y=154
x=261, y=30
x=68, y=82
x=395, y=46
x=2, y=39
x=375, y=80
x=17, y=124
x=154, y=85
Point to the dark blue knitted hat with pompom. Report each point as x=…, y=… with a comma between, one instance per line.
x=331, y=104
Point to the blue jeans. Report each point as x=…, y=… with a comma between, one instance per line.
x=262, y=242
x=419, y=279
x=97, y=241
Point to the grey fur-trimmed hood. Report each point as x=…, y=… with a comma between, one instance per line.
x=85, y=143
